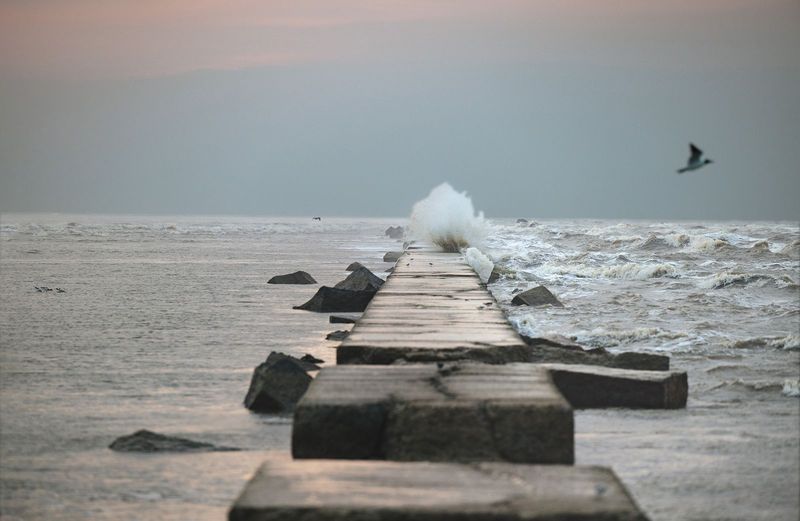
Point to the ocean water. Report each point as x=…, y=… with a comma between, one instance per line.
x=163, y=319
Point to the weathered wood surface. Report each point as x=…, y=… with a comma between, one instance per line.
x=432, y=308
x=446, y=412
x=336, y=490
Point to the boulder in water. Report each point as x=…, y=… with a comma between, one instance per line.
x=148, y=441
x=392, y=256
x=361, y=280
x=353, y=266
x=334, y=300
x=278, y=383
x=298, y=277
x=311, y=359
x=538, y=296
x=395, y=232
x=338, y=336
x=522, y=221
x=563, y=351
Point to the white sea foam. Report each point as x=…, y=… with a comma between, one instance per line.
x=629, y=271
x=447, y=218
x=480, y=263
x=788, y=343
x=732, y=278
x=791, y=388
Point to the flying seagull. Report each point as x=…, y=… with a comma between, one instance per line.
x=694, y=161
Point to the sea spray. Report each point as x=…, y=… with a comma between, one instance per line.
x=447, y=219
x=482, y=264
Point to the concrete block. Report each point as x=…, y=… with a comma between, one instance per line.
x=447, y=412
x=336, y=490
x=587, y=386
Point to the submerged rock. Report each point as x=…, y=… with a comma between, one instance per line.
x=332, y=300
x=311, y=359
x=354, y=266
x=392, y=256
x=278, y=383
x=344, y=319
x=148, y=441
x=395, y=232
x=338, y=335
x=538, y=296
x=298, y=277
x=361, y=280
x=563, y=351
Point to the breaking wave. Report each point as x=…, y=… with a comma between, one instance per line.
x=482, y=264
x=605, y=338
x=788, y=343
x=629, y=271
x=729, y=278
x=447, y=219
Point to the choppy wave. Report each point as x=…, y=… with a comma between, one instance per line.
x=629, y=271
x=730, y=278
x=791, y=388
x=612, y=338
x=788, y=343
x=751, y=385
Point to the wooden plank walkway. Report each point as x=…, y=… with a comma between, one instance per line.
x=461, y=435
x=432, y=308
x=429, y=412
x=337, y=490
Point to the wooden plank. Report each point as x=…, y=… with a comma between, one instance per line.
x=451, y=412
x=337, y=490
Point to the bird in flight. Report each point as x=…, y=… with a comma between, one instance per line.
x=694, y=161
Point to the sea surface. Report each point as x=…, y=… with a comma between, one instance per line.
x=163, y=319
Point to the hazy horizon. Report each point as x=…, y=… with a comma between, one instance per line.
x=536, y=110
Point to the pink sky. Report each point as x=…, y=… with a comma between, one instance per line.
x=88, y=39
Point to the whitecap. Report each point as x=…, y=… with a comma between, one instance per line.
x=480, y=263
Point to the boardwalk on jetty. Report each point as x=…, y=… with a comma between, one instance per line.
x=433, y=378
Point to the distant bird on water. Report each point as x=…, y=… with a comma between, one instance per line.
x=694, y=161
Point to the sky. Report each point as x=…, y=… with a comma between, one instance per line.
x=358, y=108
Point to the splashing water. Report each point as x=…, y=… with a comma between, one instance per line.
x=447, y=219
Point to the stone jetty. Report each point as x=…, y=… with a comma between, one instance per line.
x=439, y=410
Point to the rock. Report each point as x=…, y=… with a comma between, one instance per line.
x=361, y=280
x=333, y=300
x=498, y=272
x=760, y=247
x=311, y=359
x=148, y=441
x=554, y=341
x=550, y=351
x=344, y=319
x=395, y=232
x=298, y=277
x=390, y=270
x=589, y=387
x=354, y=266
x=278, y=384
x=338, y=335
x=522, y=221
x=392, y=256
x=538, y=296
